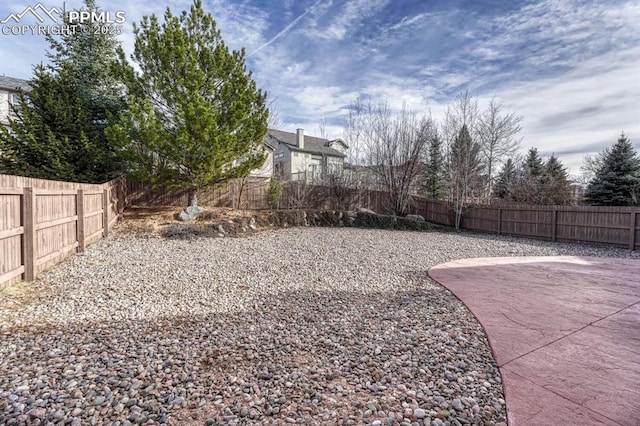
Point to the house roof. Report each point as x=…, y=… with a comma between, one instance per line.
x=13, y=83
x=311, y=143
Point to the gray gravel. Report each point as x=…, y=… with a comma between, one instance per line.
x=307, y=326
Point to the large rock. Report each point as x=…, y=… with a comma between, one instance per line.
x=366, y=211
x=416, y=217
x=190, y=213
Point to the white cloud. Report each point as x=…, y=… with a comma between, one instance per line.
x=581, y=111
x=408, y=21
x=352, y=13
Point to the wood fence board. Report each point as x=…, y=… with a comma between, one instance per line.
x=10, y=206
x=10, y=253
x=53, y=239
x=50, y=207
x=92, y=224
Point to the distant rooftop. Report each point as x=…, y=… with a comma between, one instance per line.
x=311, y=144
x=13, y=83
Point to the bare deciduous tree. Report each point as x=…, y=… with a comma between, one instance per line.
x=464, y=111
x=497, y=134
x=299, y=193
x=591, y=165
x=465, y=172
x=322, y=129
x=354, y=135
x=395, y=144
x=274, y=121
x=458, y=131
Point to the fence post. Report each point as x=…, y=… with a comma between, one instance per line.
x=120, y=185
x=105, y=213
x=426, y=209
x=499, y=221
x=554, y=224
x=632, y=230
x=29, y=224
x=80, y=224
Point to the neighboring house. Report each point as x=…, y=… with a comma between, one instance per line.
x=9, y=89
x=300, y=157
x=266, y=171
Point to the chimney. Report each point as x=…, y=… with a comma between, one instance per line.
x=300, y=138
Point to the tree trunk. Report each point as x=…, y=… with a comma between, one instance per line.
x=193, y=197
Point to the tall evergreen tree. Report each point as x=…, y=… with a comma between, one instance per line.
x=49, y=138
x=434, y=179
x=89, y=53
x=505, y=181
x=533, y=164
x=59, y=129
x=528, y=187
x=556, y=188
x=617, y=181
x=196, y=117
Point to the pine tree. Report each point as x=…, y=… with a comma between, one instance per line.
x=50, y=138
x=533, y=164
x=505, y=181
x=528, y=187
x=59, y=130
x=617, y=182
x=434, y=180
x=195, y=117
x=274, y=193
x=89, y=53
x=555, y=183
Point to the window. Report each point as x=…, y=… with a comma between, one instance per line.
x=278, y=169
x=14, y=100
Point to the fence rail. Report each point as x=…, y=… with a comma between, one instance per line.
x=42, y=222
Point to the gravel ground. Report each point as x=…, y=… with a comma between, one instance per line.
x=307, y=326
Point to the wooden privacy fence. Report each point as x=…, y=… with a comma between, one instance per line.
x=616, y=226
x=249, y=193
x=42, y=222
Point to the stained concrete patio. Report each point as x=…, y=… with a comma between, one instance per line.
x=565, y=332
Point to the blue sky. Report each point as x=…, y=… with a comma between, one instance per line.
x=570, y=67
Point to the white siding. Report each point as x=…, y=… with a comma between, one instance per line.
x=266, y=171
x=4, y=106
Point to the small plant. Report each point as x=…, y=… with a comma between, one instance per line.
x=274, y=193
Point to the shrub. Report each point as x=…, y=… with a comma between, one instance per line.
x=274, y=193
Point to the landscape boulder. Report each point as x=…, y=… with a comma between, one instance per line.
x=416, y=217
x=190, y=213
x=365, y=211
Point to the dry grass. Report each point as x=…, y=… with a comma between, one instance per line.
x=19, y=294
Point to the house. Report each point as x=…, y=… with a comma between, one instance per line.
x=9, y=89
x=266, y=170
x=300, y=157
